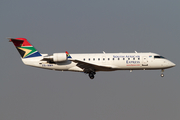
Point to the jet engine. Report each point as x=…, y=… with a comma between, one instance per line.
x=59, y=57
x=56, y=57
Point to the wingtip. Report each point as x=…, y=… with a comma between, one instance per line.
x=68, y=55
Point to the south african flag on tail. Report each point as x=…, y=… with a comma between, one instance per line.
x=25, y=49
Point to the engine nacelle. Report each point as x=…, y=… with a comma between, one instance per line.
x=59, y=57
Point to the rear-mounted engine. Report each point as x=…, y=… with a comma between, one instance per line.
x=56, y=57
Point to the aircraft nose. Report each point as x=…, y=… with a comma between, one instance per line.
x=172, y=64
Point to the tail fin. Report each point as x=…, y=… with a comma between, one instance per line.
x=25, y=49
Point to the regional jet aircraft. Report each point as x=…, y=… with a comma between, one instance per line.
x=92, y=62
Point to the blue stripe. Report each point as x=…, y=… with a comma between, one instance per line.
x=69, y=56
x=36, y=54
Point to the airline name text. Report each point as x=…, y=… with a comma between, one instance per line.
x=132, y=62
x=126, y=56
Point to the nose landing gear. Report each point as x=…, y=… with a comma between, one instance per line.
x=162, y=75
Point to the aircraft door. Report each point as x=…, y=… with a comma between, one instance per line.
x=144, y=61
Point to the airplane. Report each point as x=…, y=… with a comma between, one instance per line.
x=92, y=62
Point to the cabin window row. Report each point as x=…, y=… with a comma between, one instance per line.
x=109, y=59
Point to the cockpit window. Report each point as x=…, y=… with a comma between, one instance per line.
x=159, y=57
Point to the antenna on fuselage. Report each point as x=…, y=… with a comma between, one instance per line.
x=135, y=51
x=104, y=52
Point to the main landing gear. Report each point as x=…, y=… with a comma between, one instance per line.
x=162, y=75
x=91, y=75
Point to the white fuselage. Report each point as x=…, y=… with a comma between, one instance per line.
x=117, y=61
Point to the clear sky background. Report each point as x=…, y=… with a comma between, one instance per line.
x=92, y=26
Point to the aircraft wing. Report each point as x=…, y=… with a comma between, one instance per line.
x=88, y=67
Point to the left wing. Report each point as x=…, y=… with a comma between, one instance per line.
x=89, y=67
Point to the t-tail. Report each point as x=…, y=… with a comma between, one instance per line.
x=25, y=49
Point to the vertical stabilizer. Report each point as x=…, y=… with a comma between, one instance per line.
x=25, y=49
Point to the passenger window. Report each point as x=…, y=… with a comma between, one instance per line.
x=89, y=59
x=108, y=58
x=84, y=59
x=103, y=58
x=118, y=58
x=123, y=58
x=128, y=58
x=138, y=58
x=113, y=58
x=133, y=58
x=93, y=58
x=98, y=58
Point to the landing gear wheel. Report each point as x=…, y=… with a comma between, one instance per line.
x=162, y=75
x=91, y=75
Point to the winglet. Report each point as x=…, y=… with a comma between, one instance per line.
x=68, y=55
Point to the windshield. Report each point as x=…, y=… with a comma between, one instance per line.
x=159, y=57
